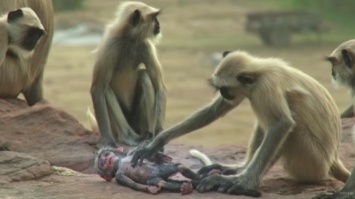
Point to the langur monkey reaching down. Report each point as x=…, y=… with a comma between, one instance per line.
x=127, y=90
x=343, y=73
x=25, y=39
x=297, y=122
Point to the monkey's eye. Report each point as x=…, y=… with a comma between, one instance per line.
x=106, y=155
x=102, y=163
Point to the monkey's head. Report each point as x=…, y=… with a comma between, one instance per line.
x=238, y=73
x=106, y=162
x=342, y=60
x=139, y=20
x=25, y=30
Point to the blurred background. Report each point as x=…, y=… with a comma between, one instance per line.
x=195, y=32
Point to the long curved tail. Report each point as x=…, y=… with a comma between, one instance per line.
x=92, y=120
x=201, y=156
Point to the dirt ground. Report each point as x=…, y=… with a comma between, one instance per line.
x=192, y=30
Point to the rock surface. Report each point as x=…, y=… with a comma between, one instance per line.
x=49, y=134
x=16, y=167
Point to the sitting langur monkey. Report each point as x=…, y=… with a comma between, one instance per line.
x=127, y=90
x=24, y=48
x=298, y=123
x=343, y=73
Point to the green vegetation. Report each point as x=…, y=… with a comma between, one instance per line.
x=338, y=14
x=64, y=5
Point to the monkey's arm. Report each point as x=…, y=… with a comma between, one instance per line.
x=3, y=43
x=101, y=113
x=201, y=118
x=124, y=180
x=280, y=124
x=155, y=73
x=34, y=94
x=349, y=112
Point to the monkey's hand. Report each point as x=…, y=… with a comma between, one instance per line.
x=142, y=154
x=213, y=168
x=236, y=185
x=161, y=158
x=153, y=189
x=186, y=188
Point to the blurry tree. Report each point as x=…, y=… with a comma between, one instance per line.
x=343, y=6
x=63, y=5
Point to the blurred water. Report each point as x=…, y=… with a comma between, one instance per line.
x=83, y=34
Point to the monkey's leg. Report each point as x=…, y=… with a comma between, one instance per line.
x=347, y=192
x=144, y=116
x=124, y=180
x=127, y=134
x=155, y=73
x=160, y=110
x=350, y=184
x=188, y=172
x=254, y=143
x=268, y=152
x=34, y=93
x=338, y=171
x=349, y=112
x=102, y=115
x=184, y=187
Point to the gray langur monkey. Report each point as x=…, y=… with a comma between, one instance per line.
x=297, y=122
x=128, y=91
x=24, y=49
x=342, y=60
x=343, y=72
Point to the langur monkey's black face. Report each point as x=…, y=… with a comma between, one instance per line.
x=342, y=60
x=144, y=19
x=227, y=80
x=156, y=24
x=25, y=29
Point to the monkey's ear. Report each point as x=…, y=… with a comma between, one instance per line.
x=245, y=79
x=225, y=53
x=14, y=15
x=136, y=17
x=331, y=59
x=348, y=57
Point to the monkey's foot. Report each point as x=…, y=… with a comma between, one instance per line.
x=186, y=188
x=213, y=183
x=338, y=195
x=153, y=189
x=215, y=172
x=207, y=170
x=227, y=185
x=4, y=148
